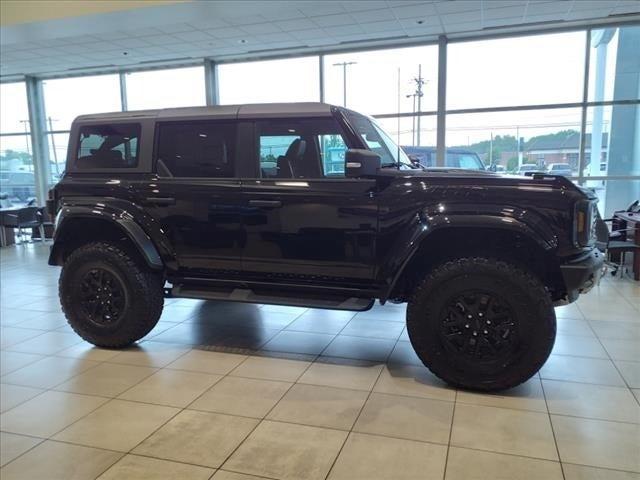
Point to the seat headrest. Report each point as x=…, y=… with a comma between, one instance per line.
x=296, y=149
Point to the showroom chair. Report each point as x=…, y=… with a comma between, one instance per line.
x=24, y=218
x=613, y=242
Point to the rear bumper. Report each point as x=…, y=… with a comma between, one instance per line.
x=582, y=274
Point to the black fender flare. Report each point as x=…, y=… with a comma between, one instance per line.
x=526, y=224
x=155, y=253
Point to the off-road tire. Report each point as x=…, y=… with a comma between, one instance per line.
x=143, y=290
x=522, y=293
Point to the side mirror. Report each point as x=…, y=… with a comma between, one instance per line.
x=361, y=163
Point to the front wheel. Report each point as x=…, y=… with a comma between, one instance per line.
x=481, y=324
x=109, y=299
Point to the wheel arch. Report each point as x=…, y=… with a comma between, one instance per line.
x=479, y=235
x=76, y=226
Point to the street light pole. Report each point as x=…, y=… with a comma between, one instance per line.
x=344, y=66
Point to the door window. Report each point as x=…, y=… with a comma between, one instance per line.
x=196, y=149
x=301, y=148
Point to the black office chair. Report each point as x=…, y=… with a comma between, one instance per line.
x=24, y=218
x=613, y=242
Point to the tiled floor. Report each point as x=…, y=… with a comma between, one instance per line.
x=240, y=392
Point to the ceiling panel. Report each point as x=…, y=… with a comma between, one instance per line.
x=226, y=29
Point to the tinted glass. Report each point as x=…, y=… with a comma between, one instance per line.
x=202, y=149
x=301, y=148
x=108, y=146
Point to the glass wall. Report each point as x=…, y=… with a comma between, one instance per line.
x=531, y=70
x=383, y=81
x=286, y=80
x=519, y=141
x=513, y=104
x=17, y=180
x=64, y=100
x=178, y=87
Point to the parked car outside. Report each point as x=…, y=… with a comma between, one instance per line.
x=528, y=169
x=560, y=169
x=17, y=184
x=455, y=157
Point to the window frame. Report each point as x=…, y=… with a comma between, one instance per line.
x=239, y=147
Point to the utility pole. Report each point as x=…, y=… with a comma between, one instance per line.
x=344, y=66
x=53, y=145
x=419, y=81
x=26, y=132
x=413, y=119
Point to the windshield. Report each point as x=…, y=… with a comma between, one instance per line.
x=469, y=161
x=378, y=141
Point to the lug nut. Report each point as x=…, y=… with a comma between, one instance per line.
x=466, y=326
x=469, y=316
x=488, y=322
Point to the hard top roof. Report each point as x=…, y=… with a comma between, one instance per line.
x=312, y=109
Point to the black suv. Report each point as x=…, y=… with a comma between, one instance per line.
x=314, y=205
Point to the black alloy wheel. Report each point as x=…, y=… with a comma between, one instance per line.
x=479, y=325
x=102, y=296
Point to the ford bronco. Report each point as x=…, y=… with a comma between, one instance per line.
x=314, y=205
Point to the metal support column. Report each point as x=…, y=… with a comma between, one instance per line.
x=582, y=161
x=321, y=78
x=123, y=92
x=442, y=101
x=211, y=82
x=38, y=127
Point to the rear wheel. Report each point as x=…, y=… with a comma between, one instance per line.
x=109, y=299
x=481, y=324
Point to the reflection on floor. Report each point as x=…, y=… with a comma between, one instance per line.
x=239, y=391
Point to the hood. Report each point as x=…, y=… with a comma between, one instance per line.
x=479, y=178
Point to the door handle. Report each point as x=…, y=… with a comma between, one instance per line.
x=161, y=200
x=265, y=203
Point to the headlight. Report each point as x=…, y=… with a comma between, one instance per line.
x=584, y=223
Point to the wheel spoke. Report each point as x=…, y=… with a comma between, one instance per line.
x=102, y=296
x=478, y=325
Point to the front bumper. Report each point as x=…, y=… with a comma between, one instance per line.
x=582, y=274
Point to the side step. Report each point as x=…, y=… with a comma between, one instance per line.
x=249, y=296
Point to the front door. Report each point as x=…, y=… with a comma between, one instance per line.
x=302, y=217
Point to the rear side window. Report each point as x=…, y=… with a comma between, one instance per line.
x=196, y=149
x=108, y=146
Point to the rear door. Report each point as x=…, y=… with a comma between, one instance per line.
x=196, y=194
x=303, y=218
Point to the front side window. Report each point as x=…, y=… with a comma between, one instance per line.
x=391, y=155
x=301, y=148
x=108, y=146
x=196, y=149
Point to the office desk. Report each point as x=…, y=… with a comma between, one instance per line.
x=633, y=222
